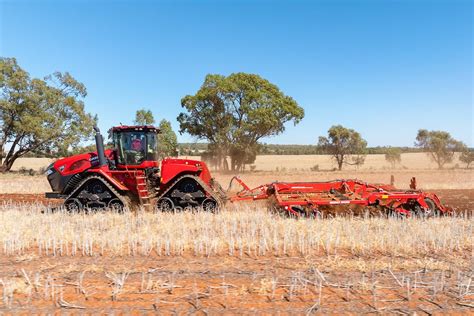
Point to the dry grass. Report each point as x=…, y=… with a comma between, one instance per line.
x=31, y=163
x=240, y=232
x=416, y=161
x=412, y=161
x=16, y=183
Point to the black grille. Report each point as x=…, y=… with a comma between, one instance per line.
x=73, y=183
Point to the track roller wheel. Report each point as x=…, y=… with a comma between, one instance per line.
x=73, y=205
x=188, y=208
x=165, y=205
x=116, y=205
x=210, y=205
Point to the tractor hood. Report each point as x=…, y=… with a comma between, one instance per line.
x=62, y=170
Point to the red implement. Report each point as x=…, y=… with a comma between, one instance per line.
x=306, y=198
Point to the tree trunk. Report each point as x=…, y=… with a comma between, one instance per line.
x=233, y=164
x=222, y=161
x=7, y=164
x=340, y=161
x=440, y=164
x=219, y=164
x=10, y=158
x=439, y=160
x=226, y=164
x=4, y=165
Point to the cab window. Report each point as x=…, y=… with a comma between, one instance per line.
x=131, y=147
x=135, y=147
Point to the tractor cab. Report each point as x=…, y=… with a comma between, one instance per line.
x=135, y=146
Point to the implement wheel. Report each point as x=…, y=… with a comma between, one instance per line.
x=431, y=211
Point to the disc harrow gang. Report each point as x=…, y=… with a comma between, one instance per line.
x=313, y=198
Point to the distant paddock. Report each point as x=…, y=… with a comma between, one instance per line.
x=410, y=161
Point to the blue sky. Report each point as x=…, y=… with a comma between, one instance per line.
x=384, y=68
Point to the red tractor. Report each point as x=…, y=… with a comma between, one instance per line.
x=130, y=174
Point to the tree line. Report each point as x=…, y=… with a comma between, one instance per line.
x=232, y=114
x=347, y=147
x=195, y=149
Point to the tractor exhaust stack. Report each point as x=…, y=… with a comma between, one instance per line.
x=99, y=144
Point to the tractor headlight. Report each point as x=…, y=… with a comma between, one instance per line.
x=50, y=169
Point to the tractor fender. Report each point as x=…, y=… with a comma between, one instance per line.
x=174, y=167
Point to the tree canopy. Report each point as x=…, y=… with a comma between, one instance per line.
x=439, y=145
x=467, y=157
x=345, y=145
x=233, y=113
x=144, y=117
x=393, y=156
x=168, y=142
x=39, y=115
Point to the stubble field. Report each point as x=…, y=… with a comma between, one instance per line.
x=244, y=259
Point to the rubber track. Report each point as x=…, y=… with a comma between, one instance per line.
x=124, y=199
x=220, y=201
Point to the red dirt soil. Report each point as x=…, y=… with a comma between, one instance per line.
x=224, y=285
